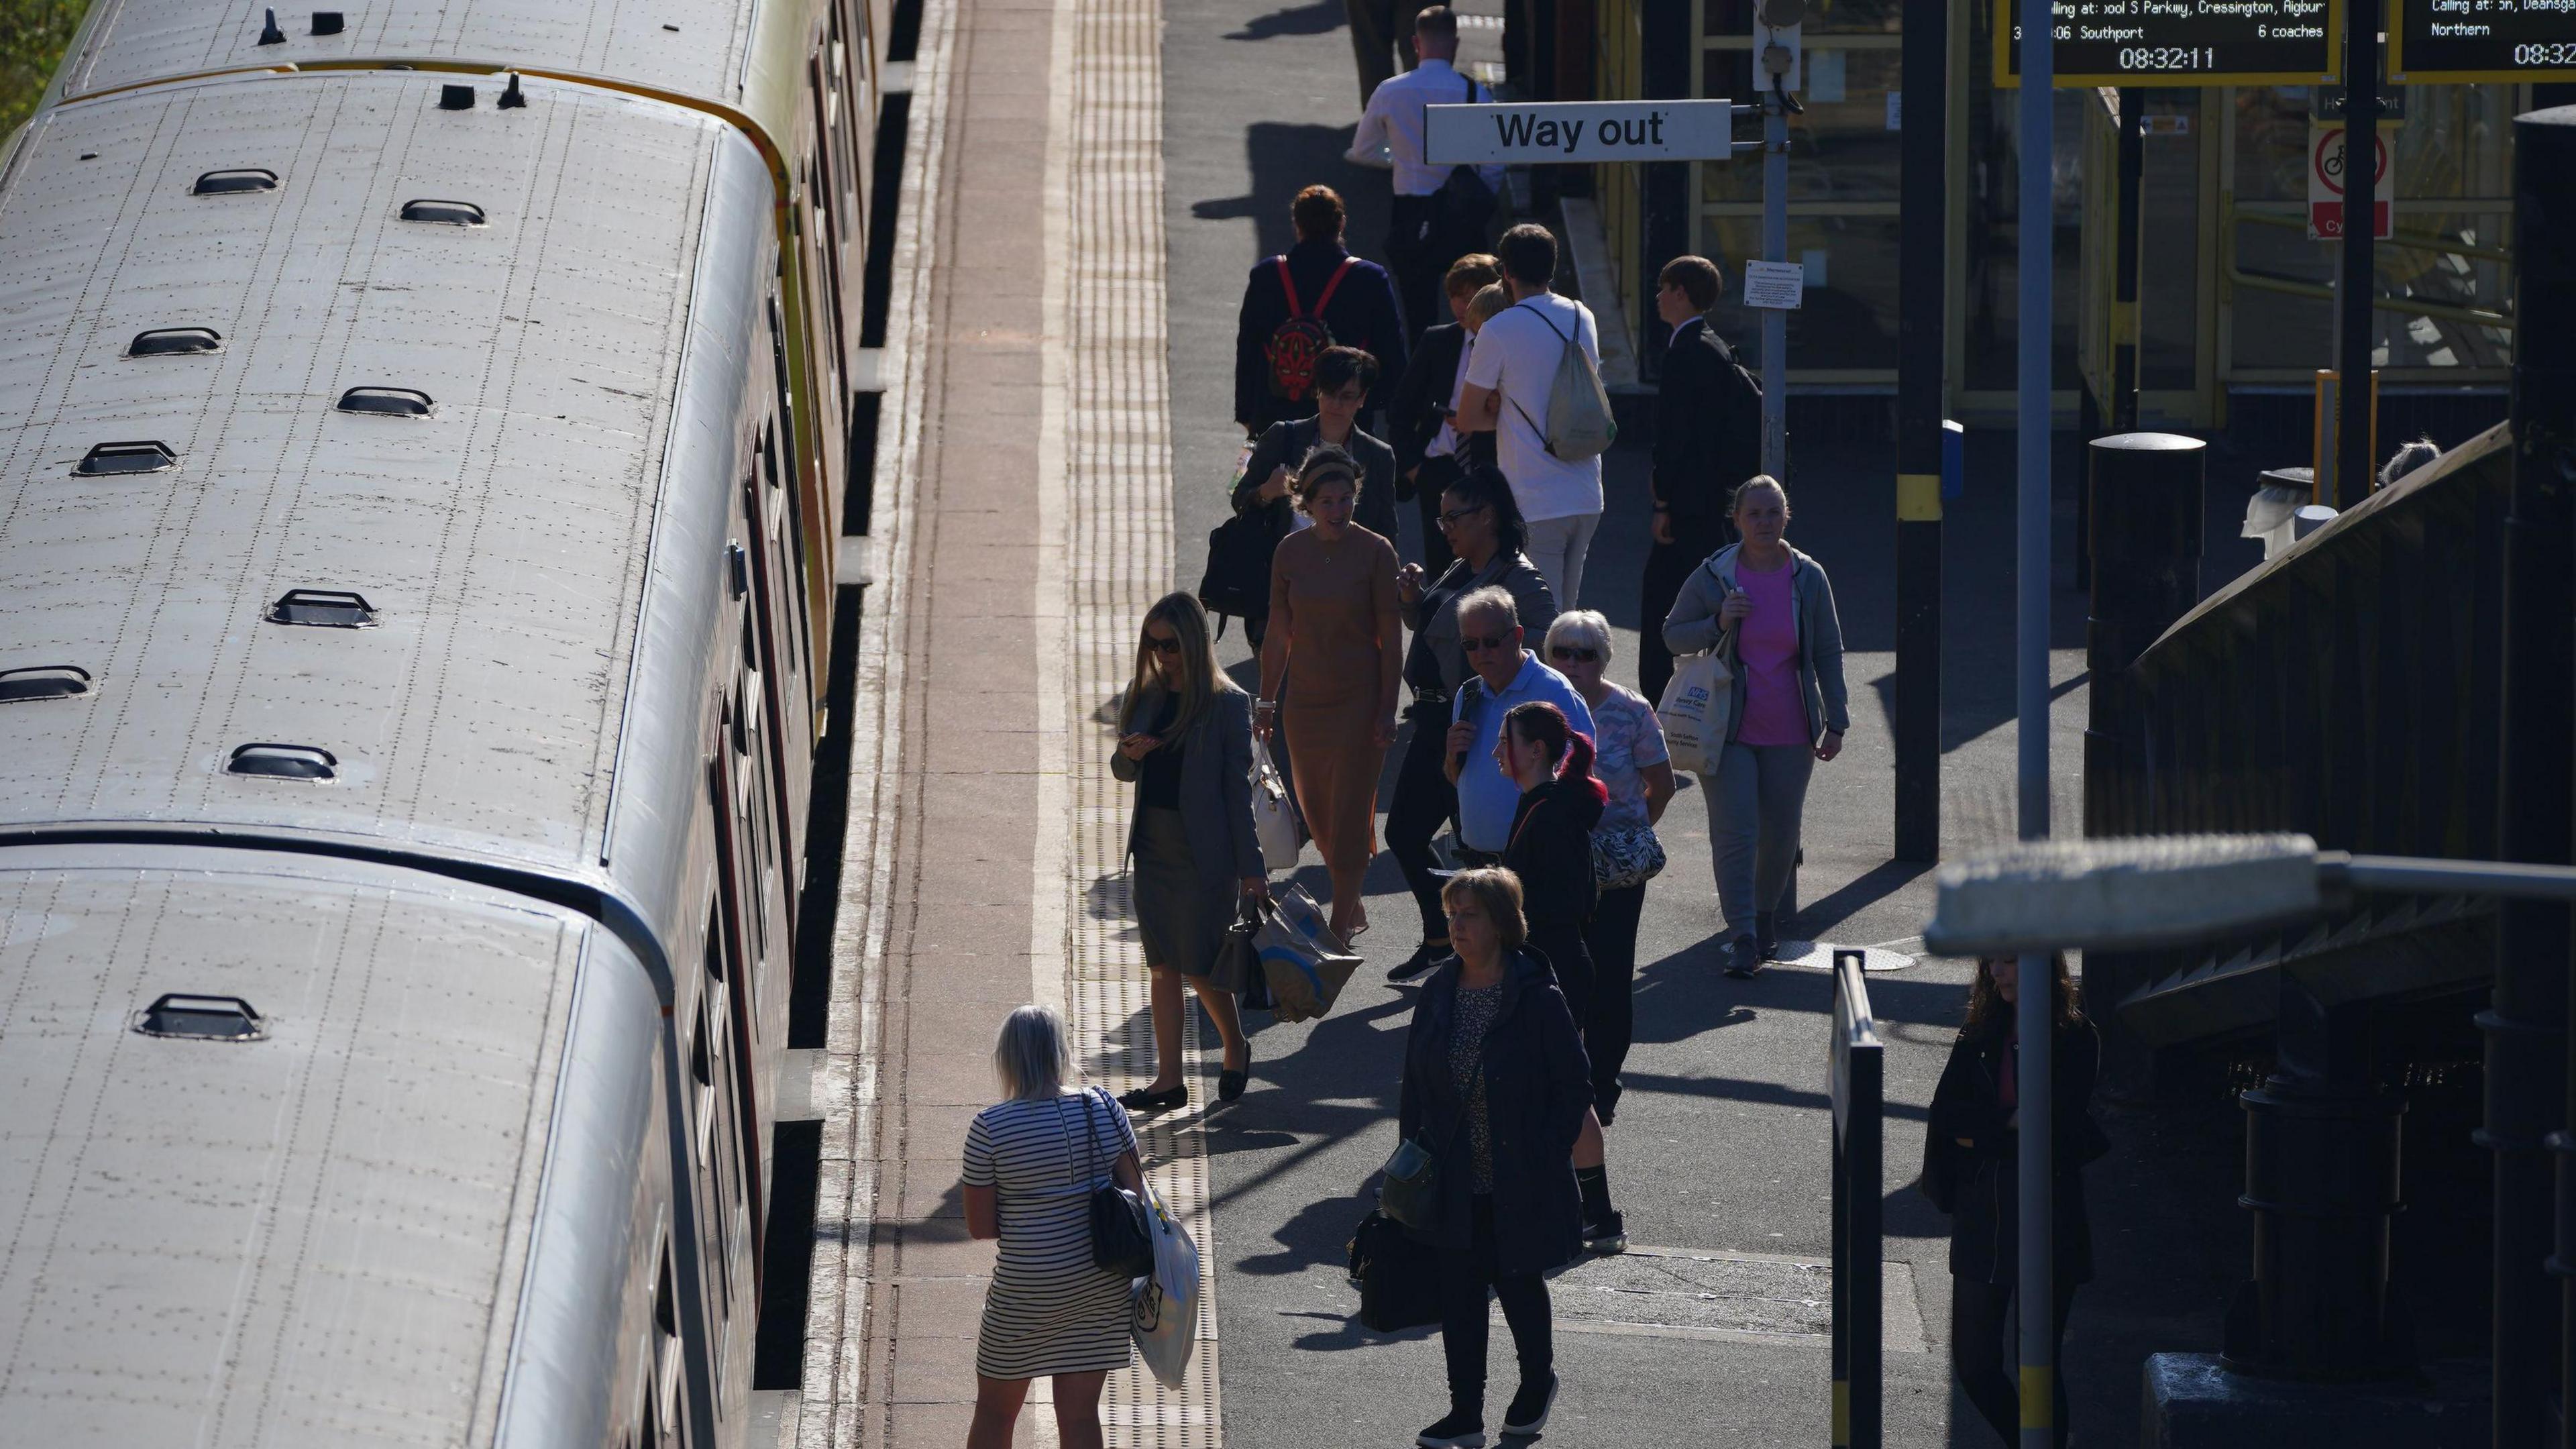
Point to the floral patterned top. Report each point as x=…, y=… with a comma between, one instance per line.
x=1477, y=1008
x=1627, y=737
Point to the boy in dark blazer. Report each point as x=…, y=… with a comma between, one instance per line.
x=1708, y=439
x=1420, y=409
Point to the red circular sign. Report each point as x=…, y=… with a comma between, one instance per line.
x=2330, y=173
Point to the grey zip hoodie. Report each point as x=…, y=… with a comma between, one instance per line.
x=1691, y=628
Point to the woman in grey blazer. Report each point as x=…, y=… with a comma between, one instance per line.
x=1790, y=707
x=1185, y=742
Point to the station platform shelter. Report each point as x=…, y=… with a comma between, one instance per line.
x=2236, y=300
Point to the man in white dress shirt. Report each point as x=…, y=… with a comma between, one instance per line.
x=1423, y=236
x=1511, y=371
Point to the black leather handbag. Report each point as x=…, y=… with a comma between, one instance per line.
x=1122, y=1235
x=1398, y=1276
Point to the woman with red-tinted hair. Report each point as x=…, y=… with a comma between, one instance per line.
x=1551, y=852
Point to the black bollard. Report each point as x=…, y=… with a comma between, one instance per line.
x=2145, y=543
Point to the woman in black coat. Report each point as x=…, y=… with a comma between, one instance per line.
x=1971, y=1170
x=1185, y=741
x=1550, y=849
x=1496, y=1086
x=1343, y=379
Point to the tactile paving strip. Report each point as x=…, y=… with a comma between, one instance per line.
x=1116, y=527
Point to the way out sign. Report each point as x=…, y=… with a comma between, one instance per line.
x=1576, y=131
x=2326, y=162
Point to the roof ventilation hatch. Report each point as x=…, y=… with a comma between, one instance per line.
x=456, y=98
x=175, y=342
x=234, y=180
x=328, y=22
x=107, y=459
x=284, y=762
x=205, y=1018
x=43, y=681
x=323, y=608
x=443, y=213
x=392, y=402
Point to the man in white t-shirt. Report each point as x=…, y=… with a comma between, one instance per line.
x=1510, y=373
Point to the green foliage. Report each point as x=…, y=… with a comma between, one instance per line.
x=32, y=36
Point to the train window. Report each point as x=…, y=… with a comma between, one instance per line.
x=392, y=402
x=324, y=608
x=111, y=458
x=284, y=762
x=43, y=681
x=235, y=181
x=211, y=1018
x=443, y=213
x=175, y=342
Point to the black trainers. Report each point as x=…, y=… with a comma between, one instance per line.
x=1766, y=935
x=1424, y=957
x=1608, y=1237
x=1457, y=1429
x=1744, y=958
x=1528, y=1413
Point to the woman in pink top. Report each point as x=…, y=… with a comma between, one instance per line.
x=1790, y=707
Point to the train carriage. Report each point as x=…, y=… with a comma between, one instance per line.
x=420, y=446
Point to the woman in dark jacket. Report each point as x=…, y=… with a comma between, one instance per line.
x=1496, y=1086
x=1551, y=851
x=1343, y=379
x=1971, y=1170
x=1185, y=740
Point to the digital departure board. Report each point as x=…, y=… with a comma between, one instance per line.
x=2431, y=41
x=2186, y=42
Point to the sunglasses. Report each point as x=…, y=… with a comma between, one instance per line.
x=1450, y=518
x=1580, y=656
x=1163, y=643
x=1498, y=641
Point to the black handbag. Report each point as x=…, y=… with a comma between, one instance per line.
x=1466, y=204
x=1122, y=1235
x=1408, y=1189
x=1238, y=961
x=1398, y=1276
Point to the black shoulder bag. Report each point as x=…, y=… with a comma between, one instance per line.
x=1122, y=1236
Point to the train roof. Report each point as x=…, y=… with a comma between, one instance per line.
x=504, y=542
x=236, y=1227
x=742, y=54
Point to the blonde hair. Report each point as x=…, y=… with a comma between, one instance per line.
x=1495, y=891
x=1033, y=1054
x=1201, y=678
x=1582, y=628
x=1488, y=303
x=1735, y=500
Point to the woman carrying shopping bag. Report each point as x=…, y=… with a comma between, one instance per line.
x=1033, y=1162
x=1788, y=707
x=1185, y=741
x=1495, y=1088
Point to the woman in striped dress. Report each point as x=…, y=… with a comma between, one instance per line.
x=1032, y=1163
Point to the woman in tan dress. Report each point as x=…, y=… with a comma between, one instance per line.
x=1337, y=646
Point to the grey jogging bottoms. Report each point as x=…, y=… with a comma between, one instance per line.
x=1754, y=802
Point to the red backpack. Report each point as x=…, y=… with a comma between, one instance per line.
x=1296, y=343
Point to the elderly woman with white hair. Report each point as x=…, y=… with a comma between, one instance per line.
x=1033, y=1161
x=1629, y=758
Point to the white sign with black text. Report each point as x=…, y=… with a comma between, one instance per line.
x=1578, y=131
x=1775, y=284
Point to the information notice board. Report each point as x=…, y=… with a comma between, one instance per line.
x=2433, y=41
x=2185, y=42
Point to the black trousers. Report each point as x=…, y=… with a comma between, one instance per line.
x=1423, y=802
x=1419, y=251
x=1465, y=1332
x=1984, y=1331
x=1437, y=474
x=1611, y=1020
x=1561, y=942
x=1668, y=567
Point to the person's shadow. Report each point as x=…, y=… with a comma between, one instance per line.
x=1321, y=18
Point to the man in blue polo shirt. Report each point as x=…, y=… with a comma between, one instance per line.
x=1489, y=624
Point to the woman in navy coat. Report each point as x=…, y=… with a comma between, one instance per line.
x=1496, y=1085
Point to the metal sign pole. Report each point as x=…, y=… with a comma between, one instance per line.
x=2354, y=402
x=1775, y=321
x=2037, y=1293
x=1857, y=1084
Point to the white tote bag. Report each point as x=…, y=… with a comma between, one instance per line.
x=1274, y=815
x=1697, y=707
x=1164, y=1316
